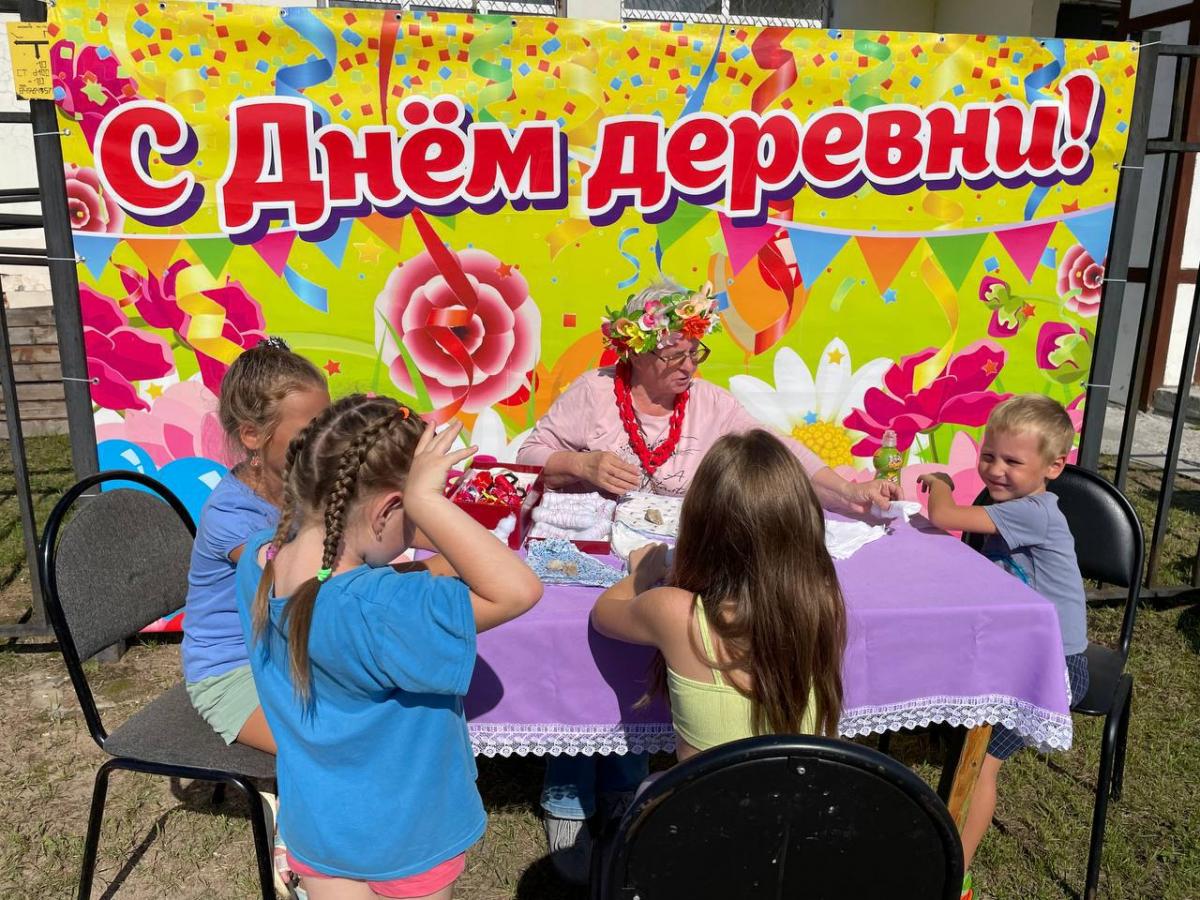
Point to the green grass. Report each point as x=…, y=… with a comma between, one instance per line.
x=163, y=840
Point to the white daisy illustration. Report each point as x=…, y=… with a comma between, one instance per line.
x=491, y=438
x=812, y=409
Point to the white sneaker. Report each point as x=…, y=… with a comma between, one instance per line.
x=570, y=843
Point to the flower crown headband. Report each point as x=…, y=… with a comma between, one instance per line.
x=631, y=331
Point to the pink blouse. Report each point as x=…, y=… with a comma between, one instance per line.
x=585, y=417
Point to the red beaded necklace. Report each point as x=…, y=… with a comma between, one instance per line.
x=651, y=460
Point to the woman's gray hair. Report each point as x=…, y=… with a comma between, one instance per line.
x=664, y=287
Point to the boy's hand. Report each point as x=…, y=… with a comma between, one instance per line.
x=928, y=481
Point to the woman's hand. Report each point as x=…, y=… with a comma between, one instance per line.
x=608, y=472
x=862, y=495
x=648, y=565
x=431, y=461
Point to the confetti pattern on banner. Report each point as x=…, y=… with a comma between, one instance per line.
x=510, y=315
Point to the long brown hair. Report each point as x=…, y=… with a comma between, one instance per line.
x=752, y=545
x=255, y=386
x=358, y=446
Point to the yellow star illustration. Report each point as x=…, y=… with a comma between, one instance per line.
x=154, y=390
x=836, y=356
x=368, y=253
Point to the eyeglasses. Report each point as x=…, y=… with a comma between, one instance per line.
x=698, y=356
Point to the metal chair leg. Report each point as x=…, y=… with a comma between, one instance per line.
x=218, y=796
x=95, y=817
x=885, y=743
x=1118, y=780
x=1104, y=785
x=264, y=848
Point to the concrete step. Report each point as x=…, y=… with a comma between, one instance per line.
x=1164, y=402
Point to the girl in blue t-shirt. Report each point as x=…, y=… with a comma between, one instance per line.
x=267, y=396
x=361, y=667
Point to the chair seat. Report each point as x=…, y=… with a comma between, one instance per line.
x=169, y=731
x=1104, y=671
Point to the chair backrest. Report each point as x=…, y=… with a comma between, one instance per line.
x=117, y=564
x=1109, y=542
x=783, y=817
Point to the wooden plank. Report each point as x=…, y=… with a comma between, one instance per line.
x=24, y=335
x=29, y=316
x=37, y=427
x=38, y=354
x=49, y=371
x=43, y=409
x=966, y=773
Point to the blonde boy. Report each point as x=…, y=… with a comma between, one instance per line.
x=1024, y=447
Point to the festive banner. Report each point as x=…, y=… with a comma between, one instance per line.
x=901, y=228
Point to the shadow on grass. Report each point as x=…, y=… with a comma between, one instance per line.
x=1189, y=627
x=540, y=882
x=196, y=797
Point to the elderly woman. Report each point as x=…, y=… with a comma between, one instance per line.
x=644, y=425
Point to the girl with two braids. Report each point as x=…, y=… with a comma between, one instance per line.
x=362, y=666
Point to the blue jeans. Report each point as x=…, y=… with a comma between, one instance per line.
x=572, y=782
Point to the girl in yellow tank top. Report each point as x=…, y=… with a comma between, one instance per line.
x=748, y=618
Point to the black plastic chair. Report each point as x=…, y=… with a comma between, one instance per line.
x=1110, y=547
x=784, y=817
x=118, y=564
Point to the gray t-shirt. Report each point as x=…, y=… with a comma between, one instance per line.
x=1035, y=544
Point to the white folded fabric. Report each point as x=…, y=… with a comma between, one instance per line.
x=844, y=539
x=900, y=509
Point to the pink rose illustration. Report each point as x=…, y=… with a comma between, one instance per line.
x=479, y=355
x=959, y=395
x=157, y=303
x=90, y=206
x=181, y=423
x=118, y=355
x=87, y=85
x=1080, y=281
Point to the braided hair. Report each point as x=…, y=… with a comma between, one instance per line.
x=355, y=448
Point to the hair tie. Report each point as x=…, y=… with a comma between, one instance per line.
x=323, y=575
x=274, y=343
x=404, y=412
x=271, y=551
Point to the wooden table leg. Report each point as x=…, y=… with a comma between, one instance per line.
x=970, y=760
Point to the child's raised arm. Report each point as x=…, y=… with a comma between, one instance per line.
x=629, y=610
x=945, y=513
x=502, y=586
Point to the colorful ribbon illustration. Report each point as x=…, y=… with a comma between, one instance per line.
x=497, y=33
x=695, y=101
x=633, y=260
x=1034, y=83
x=388, y=30
x=441, y=322
x=290, y=81
x=206, y=317
x=863, y=89
x=947, y=298
x=769, y=54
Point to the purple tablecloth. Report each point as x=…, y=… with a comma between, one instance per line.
x=936, y=634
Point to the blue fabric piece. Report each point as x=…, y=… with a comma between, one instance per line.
x=1035, y=544
x=212, y=635
x=551, y=561
x=572, y=782
x=376, y=774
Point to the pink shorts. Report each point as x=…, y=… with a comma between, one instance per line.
x=420, y=885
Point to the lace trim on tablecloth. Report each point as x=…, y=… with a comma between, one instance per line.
x=1045, y=729
x=572, y=740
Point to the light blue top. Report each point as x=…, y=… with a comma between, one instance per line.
x=1035, y=544
x=212, y=635
x=376, y=775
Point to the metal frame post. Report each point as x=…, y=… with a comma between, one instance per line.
x=64, y=282
x=16, y=441
x=1120, y=245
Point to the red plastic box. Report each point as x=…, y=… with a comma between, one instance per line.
x=489, y=514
